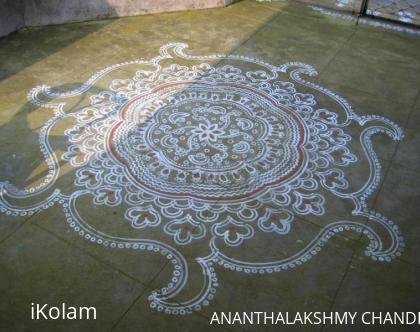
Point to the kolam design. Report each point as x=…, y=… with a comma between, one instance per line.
x=220, y=149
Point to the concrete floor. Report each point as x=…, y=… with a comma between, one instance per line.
x=44, y=261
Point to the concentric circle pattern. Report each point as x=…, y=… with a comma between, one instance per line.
x=213, y=142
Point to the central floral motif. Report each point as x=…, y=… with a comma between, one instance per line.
x=208, y=132
x=207, y=137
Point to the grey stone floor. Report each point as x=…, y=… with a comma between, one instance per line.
x=395, y=10
x=43, y=261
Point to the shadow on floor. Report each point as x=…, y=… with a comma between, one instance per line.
x=30, y=45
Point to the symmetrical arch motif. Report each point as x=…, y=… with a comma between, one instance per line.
x=196, y=152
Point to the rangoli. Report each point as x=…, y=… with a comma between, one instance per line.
x=216, y=150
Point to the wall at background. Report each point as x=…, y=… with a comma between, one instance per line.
x=11, y=16
x=15, y=14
